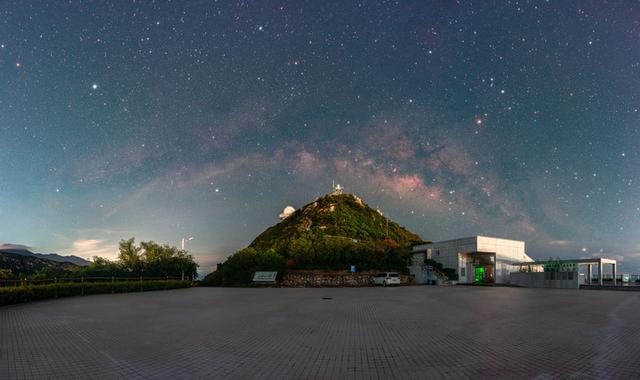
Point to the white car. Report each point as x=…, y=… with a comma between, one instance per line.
x=386, y=279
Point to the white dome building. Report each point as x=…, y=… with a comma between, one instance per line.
x=286, y=212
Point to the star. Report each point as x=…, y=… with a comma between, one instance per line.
x=94, y=86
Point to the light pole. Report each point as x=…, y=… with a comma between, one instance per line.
x=184, y=240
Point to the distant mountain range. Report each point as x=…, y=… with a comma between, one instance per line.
x=21, y=250
x=21, y=265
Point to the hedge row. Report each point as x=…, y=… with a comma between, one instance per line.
x=19, y=294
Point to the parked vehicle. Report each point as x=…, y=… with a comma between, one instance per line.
x=386, y=279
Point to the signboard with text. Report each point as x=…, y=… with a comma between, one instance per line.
x=265, y=277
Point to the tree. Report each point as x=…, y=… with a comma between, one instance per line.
x=130, y=257
x=241, y=266
x=148, y=259
x=6, y=274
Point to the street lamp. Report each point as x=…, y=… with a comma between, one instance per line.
x=184, y=240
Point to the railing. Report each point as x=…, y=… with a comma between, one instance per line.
x=56, y=280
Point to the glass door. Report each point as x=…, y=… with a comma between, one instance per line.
x=479, y=275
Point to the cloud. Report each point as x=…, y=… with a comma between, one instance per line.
x=137, y=197
x=308, y=164
x=400, y=158
x=14, y=246
x=388, y=140
x=410, y=185
x=88, y=248
x=560, y=242
x=116, y=163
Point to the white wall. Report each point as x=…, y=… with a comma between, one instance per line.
x=508, y=252
x=451, y=254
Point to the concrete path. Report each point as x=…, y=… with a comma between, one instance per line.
x=365, y=333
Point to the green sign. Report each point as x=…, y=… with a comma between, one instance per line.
x=479, y=275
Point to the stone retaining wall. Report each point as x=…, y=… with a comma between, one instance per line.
x=320, y=279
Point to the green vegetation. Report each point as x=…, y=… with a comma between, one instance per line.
x=239, y=268
x=19, y=294
x=148, y=259
x=334, y=216
x=332, y=232
x=5, y=274
x=16, y=266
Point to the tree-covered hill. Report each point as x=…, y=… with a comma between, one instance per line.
x=340, y=216
x=19, y=266
x=332, y=232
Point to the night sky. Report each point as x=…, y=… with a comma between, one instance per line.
x=169, y=119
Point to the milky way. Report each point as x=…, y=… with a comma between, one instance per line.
x=174, y=119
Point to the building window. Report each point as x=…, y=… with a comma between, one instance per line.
x=462, y=272
x=437, y=252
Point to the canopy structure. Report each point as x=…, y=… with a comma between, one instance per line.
x=589, y=262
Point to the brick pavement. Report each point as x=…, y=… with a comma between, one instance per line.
x=361, y=333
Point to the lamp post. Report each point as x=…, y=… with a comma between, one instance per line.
x=184, y=240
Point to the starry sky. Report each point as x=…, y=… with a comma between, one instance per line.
x=168, y=119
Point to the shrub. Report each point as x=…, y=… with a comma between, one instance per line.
x=239, y=268
x=19, y=294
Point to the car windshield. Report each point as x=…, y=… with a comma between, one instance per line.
x=381, y=275
x=393, y=275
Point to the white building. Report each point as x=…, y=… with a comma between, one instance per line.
x=477, y=259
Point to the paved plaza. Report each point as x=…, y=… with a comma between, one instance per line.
x=339, y=333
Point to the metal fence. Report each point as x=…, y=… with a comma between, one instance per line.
x=55, y=280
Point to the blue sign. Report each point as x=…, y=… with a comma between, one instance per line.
x=352, y=269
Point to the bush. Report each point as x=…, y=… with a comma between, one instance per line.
x=239, y=268
x=19, y=294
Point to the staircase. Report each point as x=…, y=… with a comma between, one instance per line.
x=421, y=275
